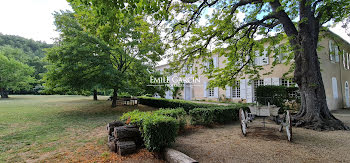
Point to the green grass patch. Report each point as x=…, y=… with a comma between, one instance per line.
x=39, y=124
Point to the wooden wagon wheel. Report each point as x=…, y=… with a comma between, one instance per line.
x=242, y=119
x=289, y=126
x=247, y=119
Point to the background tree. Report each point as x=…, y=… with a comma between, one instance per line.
x=297, y=22
x=77, y=62
x=14, y=75
x=29, y=52
x=129, y=38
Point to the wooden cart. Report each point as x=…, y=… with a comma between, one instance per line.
x=265, y=111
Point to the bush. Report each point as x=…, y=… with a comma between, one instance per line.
x=177, y=113
x=223, y=114
x=275, y=95
x=158, y=131
x=172, y=103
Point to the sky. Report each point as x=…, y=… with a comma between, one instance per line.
x=33, y=19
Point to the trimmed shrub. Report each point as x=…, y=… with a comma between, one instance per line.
x=207, y=116
x=177, y=113
x=158, y=131
x=275, y=95
x=172, y=103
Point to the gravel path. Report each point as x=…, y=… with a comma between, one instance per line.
x=226, y=144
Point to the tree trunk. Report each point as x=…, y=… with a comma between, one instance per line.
x=114, y=99
x=314, y=113
x=3, y=93
x=95, y=94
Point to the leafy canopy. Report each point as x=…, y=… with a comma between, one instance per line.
x=224, y=32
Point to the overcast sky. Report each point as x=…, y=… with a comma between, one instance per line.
x=33, y=19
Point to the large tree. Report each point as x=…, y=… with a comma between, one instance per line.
x=129, y=39
x=297, y=22
x=14, y=75
x=78, y=61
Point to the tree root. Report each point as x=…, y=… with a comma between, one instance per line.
x=319, y=124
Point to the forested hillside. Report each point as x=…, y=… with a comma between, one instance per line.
x=26, y=52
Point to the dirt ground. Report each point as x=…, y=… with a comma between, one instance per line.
x=226, y=144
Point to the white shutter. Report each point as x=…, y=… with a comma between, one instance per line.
x=249, y=91
x=215, y=60
x=243, y=89
x=267, y=81
x=228, y=91
x=205, y=91
x=334, y=87
x=347, y=61
x=336, y=51
x=344, y=61
x=275, y=81
x=216, y=92
x=330, y=46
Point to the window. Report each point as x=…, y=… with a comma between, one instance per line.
x=330, y=47
x=287, y=82
x=333, y=51
x=211, y=92
x=209, y=65
x=284, y=82
x=258, y=83
x=236, y=90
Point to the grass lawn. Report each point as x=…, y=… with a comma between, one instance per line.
x=37, y=128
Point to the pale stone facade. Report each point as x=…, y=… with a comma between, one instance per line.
x=335, y=70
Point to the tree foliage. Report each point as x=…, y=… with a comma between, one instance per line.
x=33, y=51
x=14, y=75
x=294, y=25
x=129, y=39
x=77, y=62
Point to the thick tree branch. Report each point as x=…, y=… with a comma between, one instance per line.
x=283, y=17
x=253, y=23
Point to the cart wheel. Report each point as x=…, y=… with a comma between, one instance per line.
x=289, y=126
x=247, y=118
x=242, y=119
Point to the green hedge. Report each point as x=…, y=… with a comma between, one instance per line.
x=158, y=131
x=276, y=95
x=177, y=113
x=223, y=114
x=172, y=103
